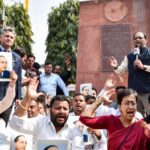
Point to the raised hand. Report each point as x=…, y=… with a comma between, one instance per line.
x=32, y=87
x=105, y=98
x=96, y=132
x=147, y=130
x=110, y=82
x=113, y=62
x=13, y=78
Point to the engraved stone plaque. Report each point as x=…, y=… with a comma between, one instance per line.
x=115, y=41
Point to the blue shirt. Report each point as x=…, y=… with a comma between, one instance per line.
x=49, y=82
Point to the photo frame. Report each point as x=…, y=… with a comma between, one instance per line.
x=60, y=144
x=87, y=86
x=5, y=66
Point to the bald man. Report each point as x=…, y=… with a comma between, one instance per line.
x=137, y=63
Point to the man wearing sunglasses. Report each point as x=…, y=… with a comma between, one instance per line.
x=137, y=63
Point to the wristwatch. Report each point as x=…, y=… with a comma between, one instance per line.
x=115, y=68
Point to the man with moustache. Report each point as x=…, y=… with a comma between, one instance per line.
x=137, y=63
x=55, y=126
x=78, y=104
x=95, y=138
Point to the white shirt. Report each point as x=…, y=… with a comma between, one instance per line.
x=15, y=133
x=92, y=139
x=43, y=129
x=124, y=66
x=4, y=136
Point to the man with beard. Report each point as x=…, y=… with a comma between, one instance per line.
x=55, y=126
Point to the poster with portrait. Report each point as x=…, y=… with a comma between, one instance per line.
x=57, y=144
x=5, y=66
x=86, y=89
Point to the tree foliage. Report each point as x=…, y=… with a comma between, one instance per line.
x=1, y=8
x=62, y=33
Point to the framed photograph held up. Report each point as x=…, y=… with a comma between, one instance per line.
x=86, y=88
x=5, y=66
x=57, y=144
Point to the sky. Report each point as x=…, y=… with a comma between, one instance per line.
x=38, y=12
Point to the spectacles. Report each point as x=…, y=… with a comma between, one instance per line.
x=128, y=104
x=138, y=37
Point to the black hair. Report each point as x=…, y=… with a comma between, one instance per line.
x=145, y=36
x=59, y=98
x=58, y=65
x=118, y=88
x=90, y=97
x=41, y=99
x=20, y=51
x=48, y=63
x=47, y=147
x=78, y=94
x=36, y=65
x=31, y=55
x=17, y=138
x=126, y=92
x=84, y=87
x=67, y=56
x=94, y=89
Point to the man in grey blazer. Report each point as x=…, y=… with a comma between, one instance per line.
x=7, y=39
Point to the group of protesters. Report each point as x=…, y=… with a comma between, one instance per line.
x=35, y=105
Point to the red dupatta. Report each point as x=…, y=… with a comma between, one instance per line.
x=130, y=138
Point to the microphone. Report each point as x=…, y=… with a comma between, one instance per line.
x=136, y=52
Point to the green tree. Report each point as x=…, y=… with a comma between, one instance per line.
x=17, y=17
x=1, y=3
x=1, y=10
x=62, y=34
x=1, y=6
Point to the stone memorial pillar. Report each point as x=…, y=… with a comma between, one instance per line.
x=106, y=28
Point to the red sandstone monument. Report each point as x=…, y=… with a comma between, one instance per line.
x=106, y=28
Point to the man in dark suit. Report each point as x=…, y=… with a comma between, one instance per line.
x=64, y=76
x=7, y=39
x=5, y=74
